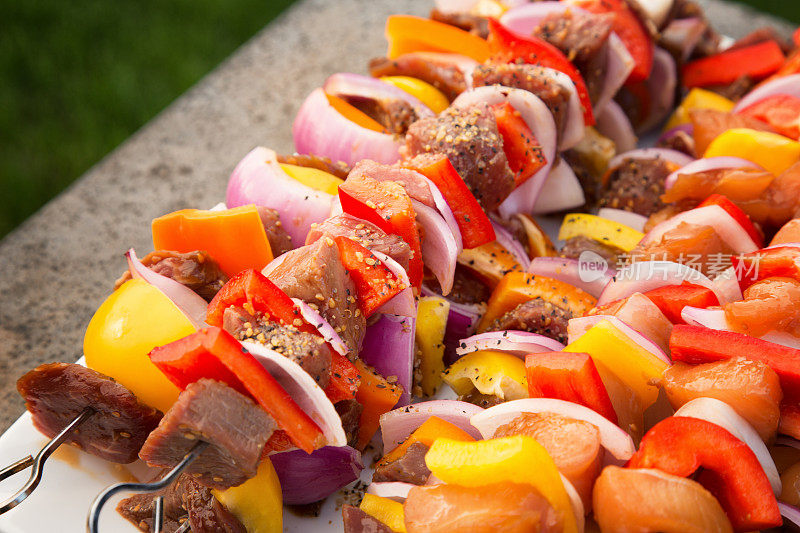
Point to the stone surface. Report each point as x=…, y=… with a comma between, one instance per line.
x=61, y=264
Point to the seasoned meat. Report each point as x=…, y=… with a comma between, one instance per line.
x=185, y=499
x=209, y=411
x=530, y=78
x=680, y=141
x=357, y=521
x=636, y=185
x=575, y=246
x=197, y=270
x=413, y=182
x=408, y=468
x=365, y=233
x=536, y=316
x=279, y=240
x=393, y=114
x=442, y=74
x=465, y=21
x=736, y=90
x=470, y=140
x=340, y=169
x=56, y=393
x=307, y=350
x=481, y=400
x=350, y=413
x=467, y=289
x=315, y=274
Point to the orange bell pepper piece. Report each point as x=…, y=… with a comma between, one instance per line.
x=519, y=287
x=430, y=430
x=489, y=262
x=407, y=33
x=235, y=238
x=354, y=114
x=378, y=396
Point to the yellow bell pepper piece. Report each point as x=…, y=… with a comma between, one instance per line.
x=258, y=502
x=517, y=459
x=600, y=229
x=613, y=352
x=314, y=178
x=431, y=322
x=698, y=99
x=385, y=510
x=422, y=90
x=136, y=318
x=490, y=372
x=774, y=152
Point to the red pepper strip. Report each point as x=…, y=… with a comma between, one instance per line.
x=673, y=298
x=476, y=229
x=790, y=420
x=731, y=471
x=571, y=377
x=344, y=381
x=737, y=214
x=214, y=353
x=756, y=61
x=251, y=290
x=507, y=46
x=631, y=32
x=781, y=111
x=780, y=262
x=375, y=283
x=523, y=151
x=697, y=345
x=386, y=205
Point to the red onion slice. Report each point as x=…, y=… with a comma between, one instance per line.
x=728, y=229
x=789, y=85
x=439, y=247
x=790, y=513
x=783, y=440
x=510, y=243
x=308, y=478
x=673, y=156
x=720, y=413
x=403, y=304
x=644, y=276
x=615, y=124
x=572, y=271
x=655, y=10
x=259, y=179
x=580, y=325
x=189, y=302
x=389, y=348
x=444, y=210
x=360, y=86
x=320, y=130
x=661, y=85
x=524, y=18
x=398, y=424
x=683, y=35
x=619, y=64
x=325, y=330
x=303, y=389
x=517, y=343
x=539, y=119
x=708, y=163
x=394, y=490
x=626, y=218
x=561, y=190
x=575, y=502
x=461, y=322
x=618, y=443
x=727, y=284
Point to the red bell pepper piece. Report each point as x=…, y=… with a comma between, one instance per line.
x=631, y=32
x=731, y=471
x=345, y=379
x=756, y=61
x=673, y=298
x=476, y=229
x=697, y=345
x=375, y=283
x=507, y=46
x=214, y=353
x=523, y=151
x=386, y=205
x=571, y=377
x=790, y=420
x=251, y=290
x=779, y=262
x=737, y=214
x=781, y=111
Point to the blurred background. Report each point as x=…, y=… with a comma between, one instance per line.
x=78, y=78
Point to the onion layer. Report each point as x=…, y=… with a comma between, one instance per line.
x=619, y=64
x=325, y=330
x=789, y=85
x=517, y=343
x=308, y=478
x=644, y=276
x=626, y=218
x=572, y=271
x=667, y=154
x=367, y=87
x=439, y=247
x=561, y=190
x=389, y=347
x=613, y=123
x=398, y=424
x=708, y=163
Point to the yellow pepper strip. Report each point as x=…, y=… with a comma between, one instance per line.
x=407, y=33
x=314, y=178
x=517, y=459
x=422, y=90
x=497, y=373
x=430, y=430
x=519, y=287
x=258, y=502
x=614, y=352
x=600, y=229
x=431, y=322
x=489, y=262
x=353, y=114
x=774, y=152
x=136, y=318
x=385, y=510
x=698, y=99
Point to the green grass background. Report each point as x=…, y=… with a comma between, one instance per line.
x=78, y=77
